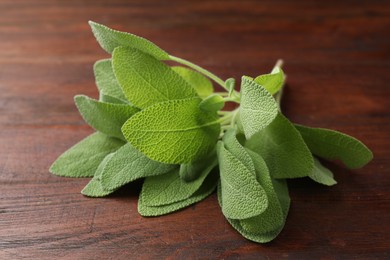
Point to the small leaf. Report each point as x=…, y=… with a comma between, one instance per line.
x=203, y=192
x=94, y=187
x=230, y=83
x=192, y=171
x=109, y=39
x=321, y=174
x=242, y=196
x=105, y=79
x=127, y=164
x=200, y=83
x=82, y=159
x=175, y=131
x=146, y=80
x=212, y=103
x=258, y=108
x=283, y=149
x=107, y=118
x=272, y=82
x=332, y=145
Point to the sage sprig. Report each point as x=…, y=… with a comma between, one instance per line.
x=166, y=124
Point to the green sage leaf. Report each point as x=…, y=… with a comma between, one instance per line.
x=109, y=39
x=82, y=159
x=191, y=171
x=321, y=174
x=230, y=84
x=200, y=83
x=105, y=98
x=333, y=145
x=107, y=118
x=175, y=131
x=272, y=82
x=212, y=103
x=283, y=149
x=127, y=164
x=145, y=80
x=257, y=109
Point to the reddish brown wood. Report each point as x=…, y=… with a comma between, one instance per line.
x=337, y=60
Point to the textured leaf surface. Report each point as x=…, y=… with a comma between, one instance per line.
x=200, y=83
x=94, y=187
x=321, y=174
x=175, y=131
x=190, y=172
x=127, y=164
x=283, y=149
x=257, y=109
x=146, y=80
x=107, y=118
x=109, y=39
x=242, y=196
x=332, y=145
x=105, y=79
x=203, y=192
x=82, y=159
x=212, y=103
x=271, y=82
x=110, y=99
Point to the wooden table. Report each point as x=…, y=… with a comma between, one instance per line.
x=337, y=60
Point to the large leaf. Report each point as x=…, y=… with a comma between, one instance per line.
x=257, y=109
x=127, y=164
x=332, y=145
x=106, y=80
x=175, y=131
x=107, y=118
x=82, y=159
x=283, y=149
x=146, y=80
x=109, y=39
x=200, y=83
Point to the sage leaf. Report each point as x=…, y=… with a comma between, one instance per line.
x=145, y=80
x=272, y=82
x=200, y=83
x=109, y=39
x=203, y=192
x=107, y=118
x=242, y=196
x=212, y=103
x=283, y=149
x=127, y=164
x=105, y=79
x=170, y=188
x=94, y=187
x=191, y=171
x=333, y=145
x=110, y=99
x=257, y=109
x=82, y=159
x=230, y=84
x=174, y=132
x=321, y=174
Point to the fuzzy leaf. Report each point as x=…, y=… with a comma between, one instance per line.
x=272, y=82
x=203, y=192
x=175, y=131
x=332, y=145
x=94, y=187
x=110, y=99
x=212, y=103
x=146, y=80
x=105, y=79
x=192, y=171
x=200, y=83
x=258, y=108
x=109, y=39
x=82, y=159
x=321, y=174
x=283, y=149
x=242, y=195
x=127, y=164
x=170, y=188
x=107, y=118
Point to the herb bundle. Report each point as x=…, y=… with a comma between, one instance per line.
x=167, y=125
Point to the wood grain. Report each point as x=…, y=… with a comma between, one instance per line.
x=337, y=60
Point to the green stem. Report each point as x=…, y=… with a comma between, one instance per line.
x=200, y=69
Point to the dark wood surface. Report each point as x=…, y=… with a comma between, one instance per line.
x=337, y=59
